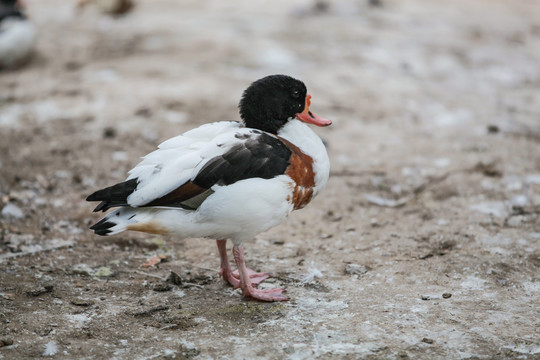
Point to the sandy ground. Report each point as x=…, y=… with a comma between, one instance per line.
x=425, y=243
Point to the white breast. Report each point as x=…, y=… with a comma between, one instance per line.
x=311, y=144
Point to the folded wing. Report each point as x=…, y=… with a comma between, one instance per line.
x=184, y=171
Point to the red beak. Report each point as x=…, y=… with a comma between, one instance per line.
x=308, y=117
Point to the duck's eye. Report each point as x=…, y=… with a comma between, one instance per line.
x=296, y=93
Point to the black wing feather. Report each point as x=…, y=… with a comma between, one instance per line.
x=260, y=156
x=113, y=196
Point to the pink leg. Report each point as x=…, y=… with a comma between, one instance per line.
x=225, y=270
x=233, y=276
x=247, y=286
x=256, y=278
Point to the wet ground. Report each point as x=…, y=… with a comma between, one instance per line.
x=425, y=243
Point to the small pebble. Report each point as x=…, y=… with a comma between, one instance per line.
x=492, y=129
x=82, y=269
x=289, y=350
x=6, y=342
x=151, y=311
x=174, y=278
x=162, y=287
x=144, y=112
x=375, y=3
x=109, y=133
x=72, y=65
x=425, y=297
x=446, y=295
x=7, y=296
x=82, y=302
x=355, y=269
x=103, y=271
x=321, y=6
x=428, y=341
x=40, y=291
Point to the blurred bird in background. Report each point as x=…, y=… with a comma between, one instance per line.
x=17, y=34
x=111, y=7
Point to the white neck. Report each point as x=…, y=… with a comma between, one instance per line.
x=311, y=144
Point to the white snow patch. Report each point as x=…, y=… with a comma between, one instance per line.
x=495, y=208
x=519, y=200
x=238, y=340
x=532, y=179
x=63, y=174
x=524, y=348
x=179, y=293
x=441, y=162
x=453, y=118
x=420, y=309
x=58, y=203
x=496, y=240
x=176, y=117
x=513, y=183
x=50, y=349
x=531, y=287
x=168, y=352
x=119, y=156
x=275, y=56
x=186, y=343
x=312, y=273
x=312, y=351
x=165, y=353
x=473, y=283
x=498, y=250
x=503, y=75
x=12, y=211
x=344, y=159
x=9, y=116
x=380, y=201
x=310, y=304
x=107, y=76
x=46, y=110
x=78, y=319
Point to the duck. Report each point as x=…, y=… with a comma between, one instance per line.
x=17, y=35
x=227, y=180
x=111, y=7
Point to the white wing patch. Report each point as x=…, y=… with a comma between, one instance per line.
x=179, y=159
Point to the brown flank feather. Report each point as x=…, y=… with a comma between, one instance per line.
x=152, y=227
x=301, y=171
x=180, y=194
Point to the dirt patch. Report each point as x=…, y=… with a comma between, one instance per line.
x=424, y=244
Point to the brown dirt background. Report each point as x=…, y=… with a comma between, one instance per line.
x=435, y=183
